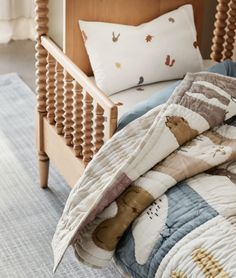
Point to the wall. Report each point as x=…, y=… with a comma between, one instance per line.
x=56, y=24
x=56, y=21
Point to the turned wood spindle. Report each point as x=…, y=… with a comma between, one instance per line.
x=78, y=120
x=68, y=108
x=220, y=30
x=59, y=90
x=230, y=35
x=41, y=18
x=88, y=130
x=99, y=128
x=51, y=64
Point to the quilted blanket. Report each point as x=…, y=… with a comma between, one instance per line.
x=187, y=232
x=140, y=165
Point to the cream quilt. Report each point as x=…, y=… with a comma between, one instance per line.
x=133, y=170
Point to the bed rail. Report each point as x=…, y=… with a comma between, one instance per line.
x=70, y=103
x=75, y=105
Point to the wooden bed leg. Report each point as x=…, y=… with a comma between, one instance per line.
x=43, y=169
x=41, y=11
x=43, y=159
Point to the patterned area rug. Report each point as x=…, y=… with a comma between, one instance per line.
x=29, y=214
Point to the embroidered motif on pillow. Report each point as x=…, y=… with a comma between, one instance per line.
x=124, y=56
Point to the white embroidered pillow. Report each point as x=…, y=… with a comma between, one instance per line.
x=124, y=56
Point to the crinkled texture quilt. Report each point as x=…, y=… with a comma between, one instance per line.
x=139, y=166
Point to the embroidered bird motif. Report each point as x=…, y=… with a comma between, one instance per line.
x=171, y=19
x=114, y=37
x=169, y=62
x=149, y=38
x=141, y=80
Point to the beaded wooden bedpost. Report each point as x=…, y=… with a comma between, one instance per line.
x=41, y=11
x=231, y=31
x=220, y=30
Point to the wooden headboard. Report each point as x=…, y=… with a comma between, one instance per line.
x=130, y=12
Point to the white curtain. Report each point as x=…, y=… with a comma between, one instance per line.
x=16, y=20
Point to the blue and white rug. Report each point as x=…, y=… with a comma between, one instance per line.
x=29, y=214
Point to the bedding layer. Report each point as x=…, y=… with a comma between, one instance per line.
x=207, y=150
x=190, y=230
x=158, y=94
x=123, y=169
x=142, y=98
x=207, y=198
x=145, y=97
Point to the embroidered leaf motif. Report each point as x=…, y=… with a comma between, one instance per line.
x=149, y=38
x=169, y=62
x=114, y=37
x=171, y=19
x=84, y=36
x=118, y=65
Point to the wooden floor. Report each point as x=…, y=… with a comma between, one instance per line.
x=18, y=56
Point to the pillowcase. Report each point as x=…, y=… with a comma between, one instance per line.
x=124, y=56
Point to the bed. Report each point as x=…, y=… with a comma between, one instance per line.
x=159, y=196
x=74, y=117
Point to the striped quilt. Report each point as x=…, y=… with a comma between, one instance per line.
x=153, y=174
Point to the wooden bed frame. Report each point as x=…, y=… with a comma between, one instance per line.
x=74, y=117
